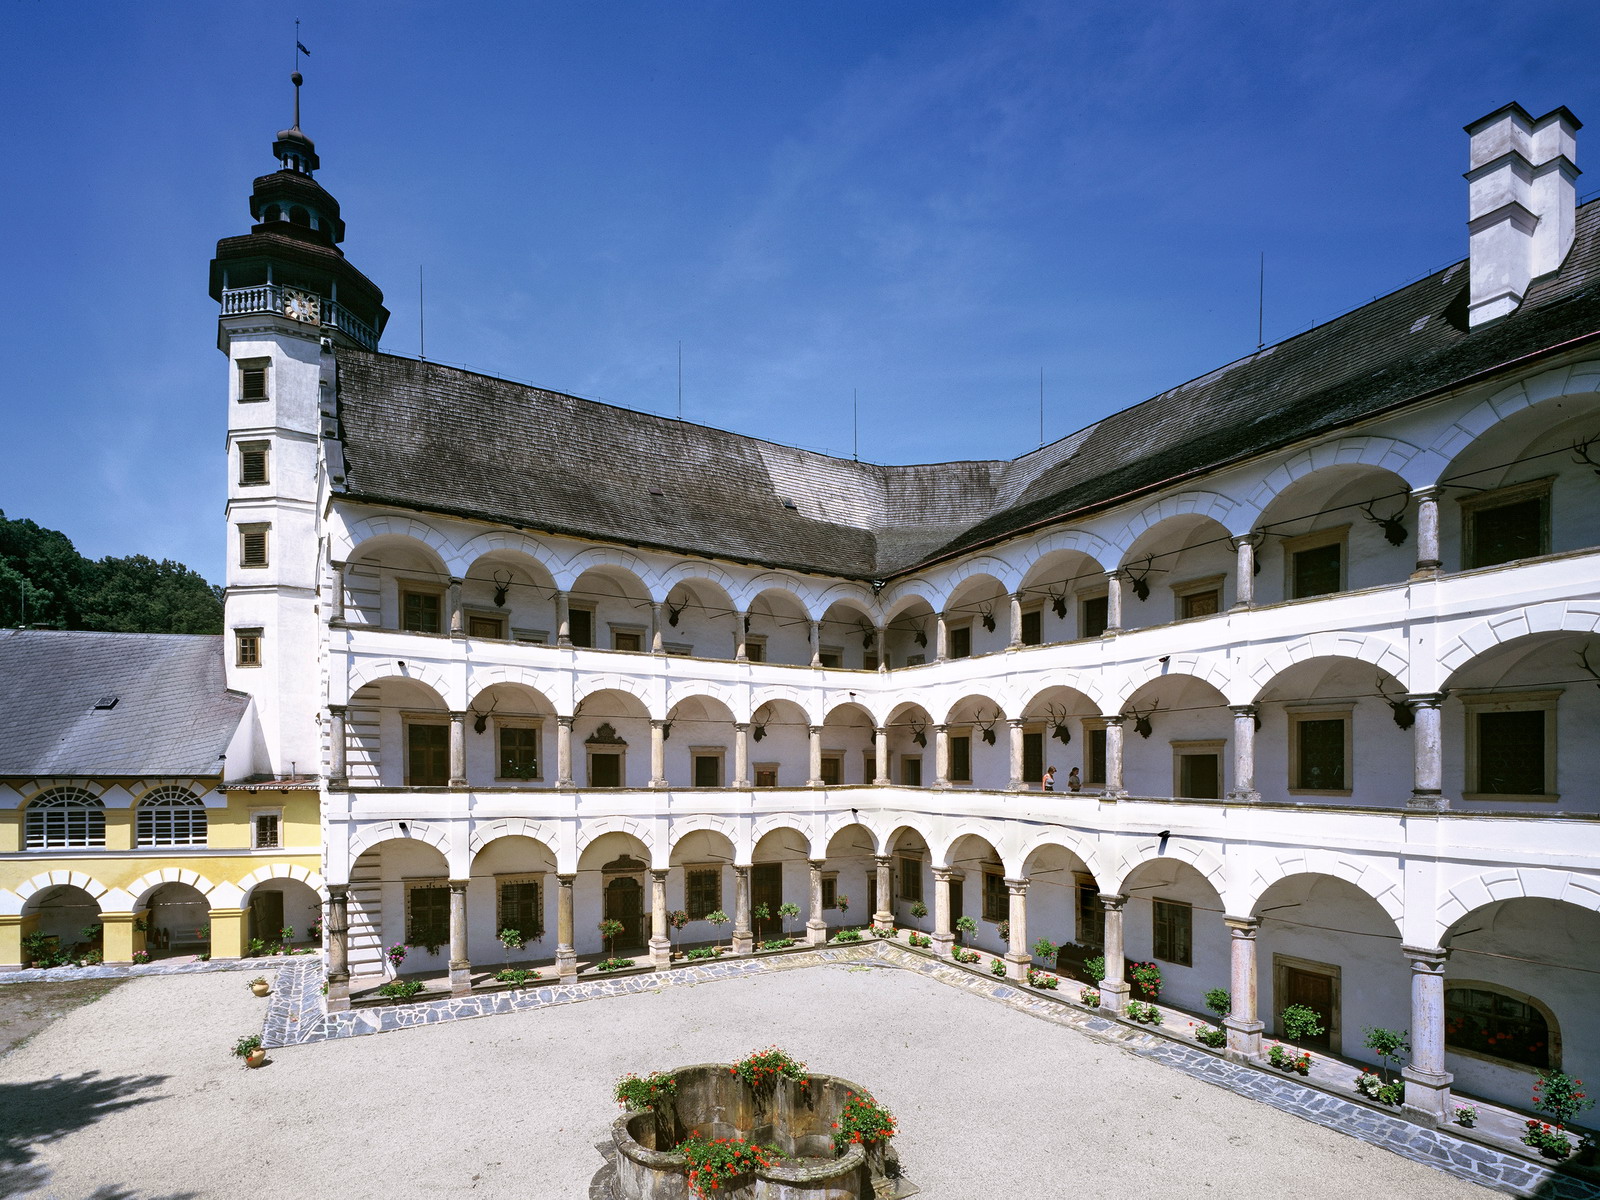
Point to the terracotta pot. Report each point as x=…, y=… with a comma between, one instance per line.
x=256, y=1058
x=261, y=989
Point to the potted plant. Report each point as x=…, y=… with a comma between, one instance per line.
x=760, y=914
x=1560, y=1095
x=965, y=925
x=610, y=929
x=919, y=909
x=260, y=986
x=511, y=939
x=400, y=990
x=1146, y=980
x=1298, y=1021
x=1220, y=1002
x=1387, y=1044
x=787, y=912
x=1045, y=951
x=676, y=919
x=141, y=958
x=396, y=954
x=250, y=1049
x=717, y=919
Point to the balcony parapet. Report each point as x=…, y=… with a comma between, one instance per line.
x=269, y=298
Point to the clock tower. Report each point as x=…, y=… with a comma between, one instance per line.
x=290, y=301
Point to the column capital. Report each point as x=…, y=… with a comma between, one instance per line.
x=1418, y=700
x=455, y=583
x=941, y=729
x=659, y=874
x=1114, y=720
x=1115, y=575
x=883, y=860
x=947, y=874
x=338, y=891
x=1243, y=927
x=814, y=730
x=565, y=722
x=1018, y=887
x=458, y=715
x=817, y=864
x=458, y=885
x=1426, y=960
x=1428, y=491
x=1251, y=539
x=1245, y=710
x=741, y=726
x=566, y=881
x=1016, y=722
x=1112, y=902
x=880, y=731
x=338, y=710
x=659, y=722
x=740, y=870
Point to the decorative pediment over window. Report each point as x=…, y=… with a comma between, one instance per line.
x=604, y=736
x=627, y=863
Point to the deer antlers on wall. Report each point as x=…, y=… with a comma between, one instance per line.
x=1058, y=724
x=1141, y=720
x=1393, y=527
x=1141, y=582
x=501, y=586
x=1581, y=453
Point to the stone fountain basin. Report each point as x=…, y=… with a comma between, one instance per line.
x=715, y=1102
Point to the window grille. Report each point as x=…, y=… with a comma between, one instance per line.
x=171, y=816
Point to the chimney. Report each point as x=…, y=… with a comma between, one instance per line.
x=1521, y=204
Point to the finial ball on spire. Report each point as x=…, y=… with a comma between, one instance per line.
x=296, y=79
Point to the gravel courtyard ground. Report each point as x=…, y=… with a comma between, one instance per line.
x=135, y=1097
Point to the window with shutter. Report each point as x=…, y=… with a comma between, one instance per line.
x=252, y=463
x=253, y=380
x=253, y=545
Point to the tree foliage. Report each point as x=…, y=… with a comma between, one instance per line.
x=45, y=583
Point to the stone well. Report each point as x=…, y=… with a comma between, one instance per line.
x=715, y=1102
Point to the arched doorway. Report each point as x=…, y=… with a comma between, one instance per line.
x=180, y=920
x=60, y=920
x=623, y=881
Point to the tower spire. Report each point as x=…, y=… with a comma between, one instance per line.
x=297, y=79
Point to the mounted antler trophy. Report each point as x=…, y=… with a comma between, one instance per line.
x=919, y=732
x=674, y=611
x=758, y=724
x=1058, y=725
x=1141, y=720
x=501, y=586
x=480, y=720
x=1393, y=527
x=1403, y=714
x=988, y=726
x=1058, y=602
x=987, y=617
x=921, y=636
x=1141, y=583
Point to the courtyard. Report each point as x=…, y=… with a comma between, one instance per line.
x=134, y=1096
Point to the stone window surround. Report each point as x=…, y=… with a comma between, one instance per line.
x=830, y=890
x=995, y=871
x=1281, y=963
x=246, y=365
x=1321, y=711
x=535, y=877
x=720, y=753
x=1551, y=1025
x=1155, y=925
x=1338, y=535
x=420, y=717
x=908, y=868
x=1180, y=748
x=627, y=628
x=483, y=614
x=1543, y=700
x=415, y=884
x=248, y=638
x=756, y=770
x=1090, y=725
x=1191, y=587
x=255, y=828
x=422, y=586
x=255, y=447
x=952, y=732
x=715, y=870
x=247, y=530
x=1532, y=489
x=620, y=749
x=534, y=722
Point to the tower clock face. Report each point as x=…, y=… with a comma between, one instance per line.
x=302, y=306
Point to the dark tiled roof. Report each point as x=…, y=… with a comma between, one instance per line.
x=173, y=714
x=437, y=438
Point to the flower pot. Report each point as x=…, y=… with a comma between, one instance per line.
x=261, y=989
x=256, y=1058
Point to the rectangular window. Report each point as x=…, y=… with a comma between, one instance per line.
x=830, y=891
x=910, y=770
x=910, y=879
x=1174, y=929
x=247, y=647
x=486, y=627
x=1032, y=757
x=605, y=769
x=831, y=656
x=428, y=914
x=253, y=463
x=1094, y=616
x=1198, y=597
x=1506, y=525
x=1091, y=913
x=420, y=610
x=961, y=641
x=266, y=830
x=1094, y=770
x=580, y=625
x=707, y=769
x=1032, y=627
x=960, y=759
x=869, y=660
x=702, y=891
x=623, y=639
x=766, y=775
x=1319, y=746
x=519, y=752
x=427, y=754
x=755, y=649
x=253, y=545
x=996, y=899
x=253, y=379
x=916, y=660
x=520, y=908
x=1511, y=745
x=1197, y=769
x=1315, y=563
x=833, y=770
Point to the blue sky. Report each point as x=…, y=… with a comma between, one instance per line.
x=925, y=202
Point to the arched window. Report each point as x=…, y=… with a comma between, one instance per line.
x=171, y=816
x=299, y=216
x=1496, y=1025
x=271, y=213
x=62, y=817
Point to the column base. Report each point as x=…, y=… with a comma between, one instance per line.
x=1111, y=797
x=1427, y=1099
x=744, y=941
x=567, y=965
x=1244, y=1040
x=1017, y=967
x=744, y=784
x=885, y=919
x=660, y=953
x=815, y=783
x=943, y=943
x=1427, y=802
x=658, y=784
x=338, y=993
x=1016, y=785
x=880, y=781
x=1114, y=996
x=816, y=932
x=461, y=979
x=1238, y=797
x=1425, y=571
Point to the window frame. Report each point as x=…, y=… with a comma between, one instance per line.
x=720, y=753
x=755, y=647
x=469, y=615
x=1034, y=613
x=1084, y=599
x=619, y=750
x=247, y=530
x=830, y=890
x=908, y=885
x=248, y=365
x=1182, y=592
x=256, y=815
x=536, y=878
x=419, y=587
x=639, y=632
x=690, y=870
x=90, y=806
x=1002, y=895
x=1086, y=902
x=965, y=630
x=1476, y=704
x=757, y=770
x=572, y=610
x=906, y=760
x=965, y=737
x=836, y=759
x=1503, y=497
x=171, y=800
x=1212, y=746
x=533, y=724
x=408, y=721
x=1321, y=712
x=433, y=883
x=1553, y=1047
x=1162, y=931
x=1091, y=727
x=836, y=653
x=252, y=635
x=1338, y=535
x=255, y=448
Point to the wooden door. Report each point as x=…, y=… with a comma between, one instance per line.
x=766, y=887
x=625, y=903
x=957, y=903
x=1317, y=992
x=266, y=915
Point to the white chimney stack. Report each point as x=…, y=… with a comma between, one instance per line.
x=1522, y=202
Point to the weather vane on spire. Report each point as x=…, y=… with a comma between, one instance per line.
x=295, y=78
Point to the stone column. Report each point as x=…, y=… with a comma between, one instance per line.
x=1244, y=1030
x=458, y=749
x=815, y=766
x=1114, y=756
x=1113, y=601
x=655, y=627
x=741, y=754
x=1017, y=959
x=1016, y=784
x=885, y=913
x=660, y=937
x=1427, y=1082
x=336, y=928
x=816, y=927
x=880, y=749
x=943, y=936
x=457, y=625
x=1244, y=589
x=743, y=942
x=1428, y=562
x=1016, y=621
x=741, y=630
x=1244, y=754
x=338, y=750
x=941, y=756
x=880, y=640
x=460, y=961
x=941, y=638
x=816, y=643
x=564, y=751
x=563, y=620
x=1113, y=989
x=658, y=754
x=566, y=956
x=1427, y=753
x=336, y=593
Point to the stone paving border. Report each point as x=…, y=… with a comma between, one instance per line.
x=130, y=971
x=297, y=1016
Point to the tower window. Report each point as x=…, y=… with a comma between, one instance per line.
x=252, y=463
x=247, y=647
x=253, y=545
x=253, y=379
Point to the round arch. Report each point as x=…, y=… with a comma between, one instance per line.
x=543, y=832
x=971, y=572
x=778, y=823
x=604, y=557
x=1556, y=616
x=1366, y=877
x=372, y=835
x=1388, y=454
x=1198, y=503
x=139, y=890
x=1187, y=851
x=1361, y=647
x=1085, y=850
x=725, y=827
x=377, y=670
x=1515, y=883
x=508, y=543
x=356, y=536
x=1576, y=380
x=11, y=903
x=642, y=832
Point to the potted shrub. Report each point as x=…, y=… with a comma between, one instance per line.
x=919, y=909
x=1560, y=1095
x=511, y=939
x=610, y=929
x=787, y=912
x=1388, y=1045
x=250, y=1049
x=141, y=957
x=717, y=919
x=1045, y=951
x=1299, y=1021
x=760, y=914
x=260, y=986
x=676, y=920
x=965, y=925
x=400, y=990
x=1220, y=1002
x=1146, y=980
x=396, y=954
